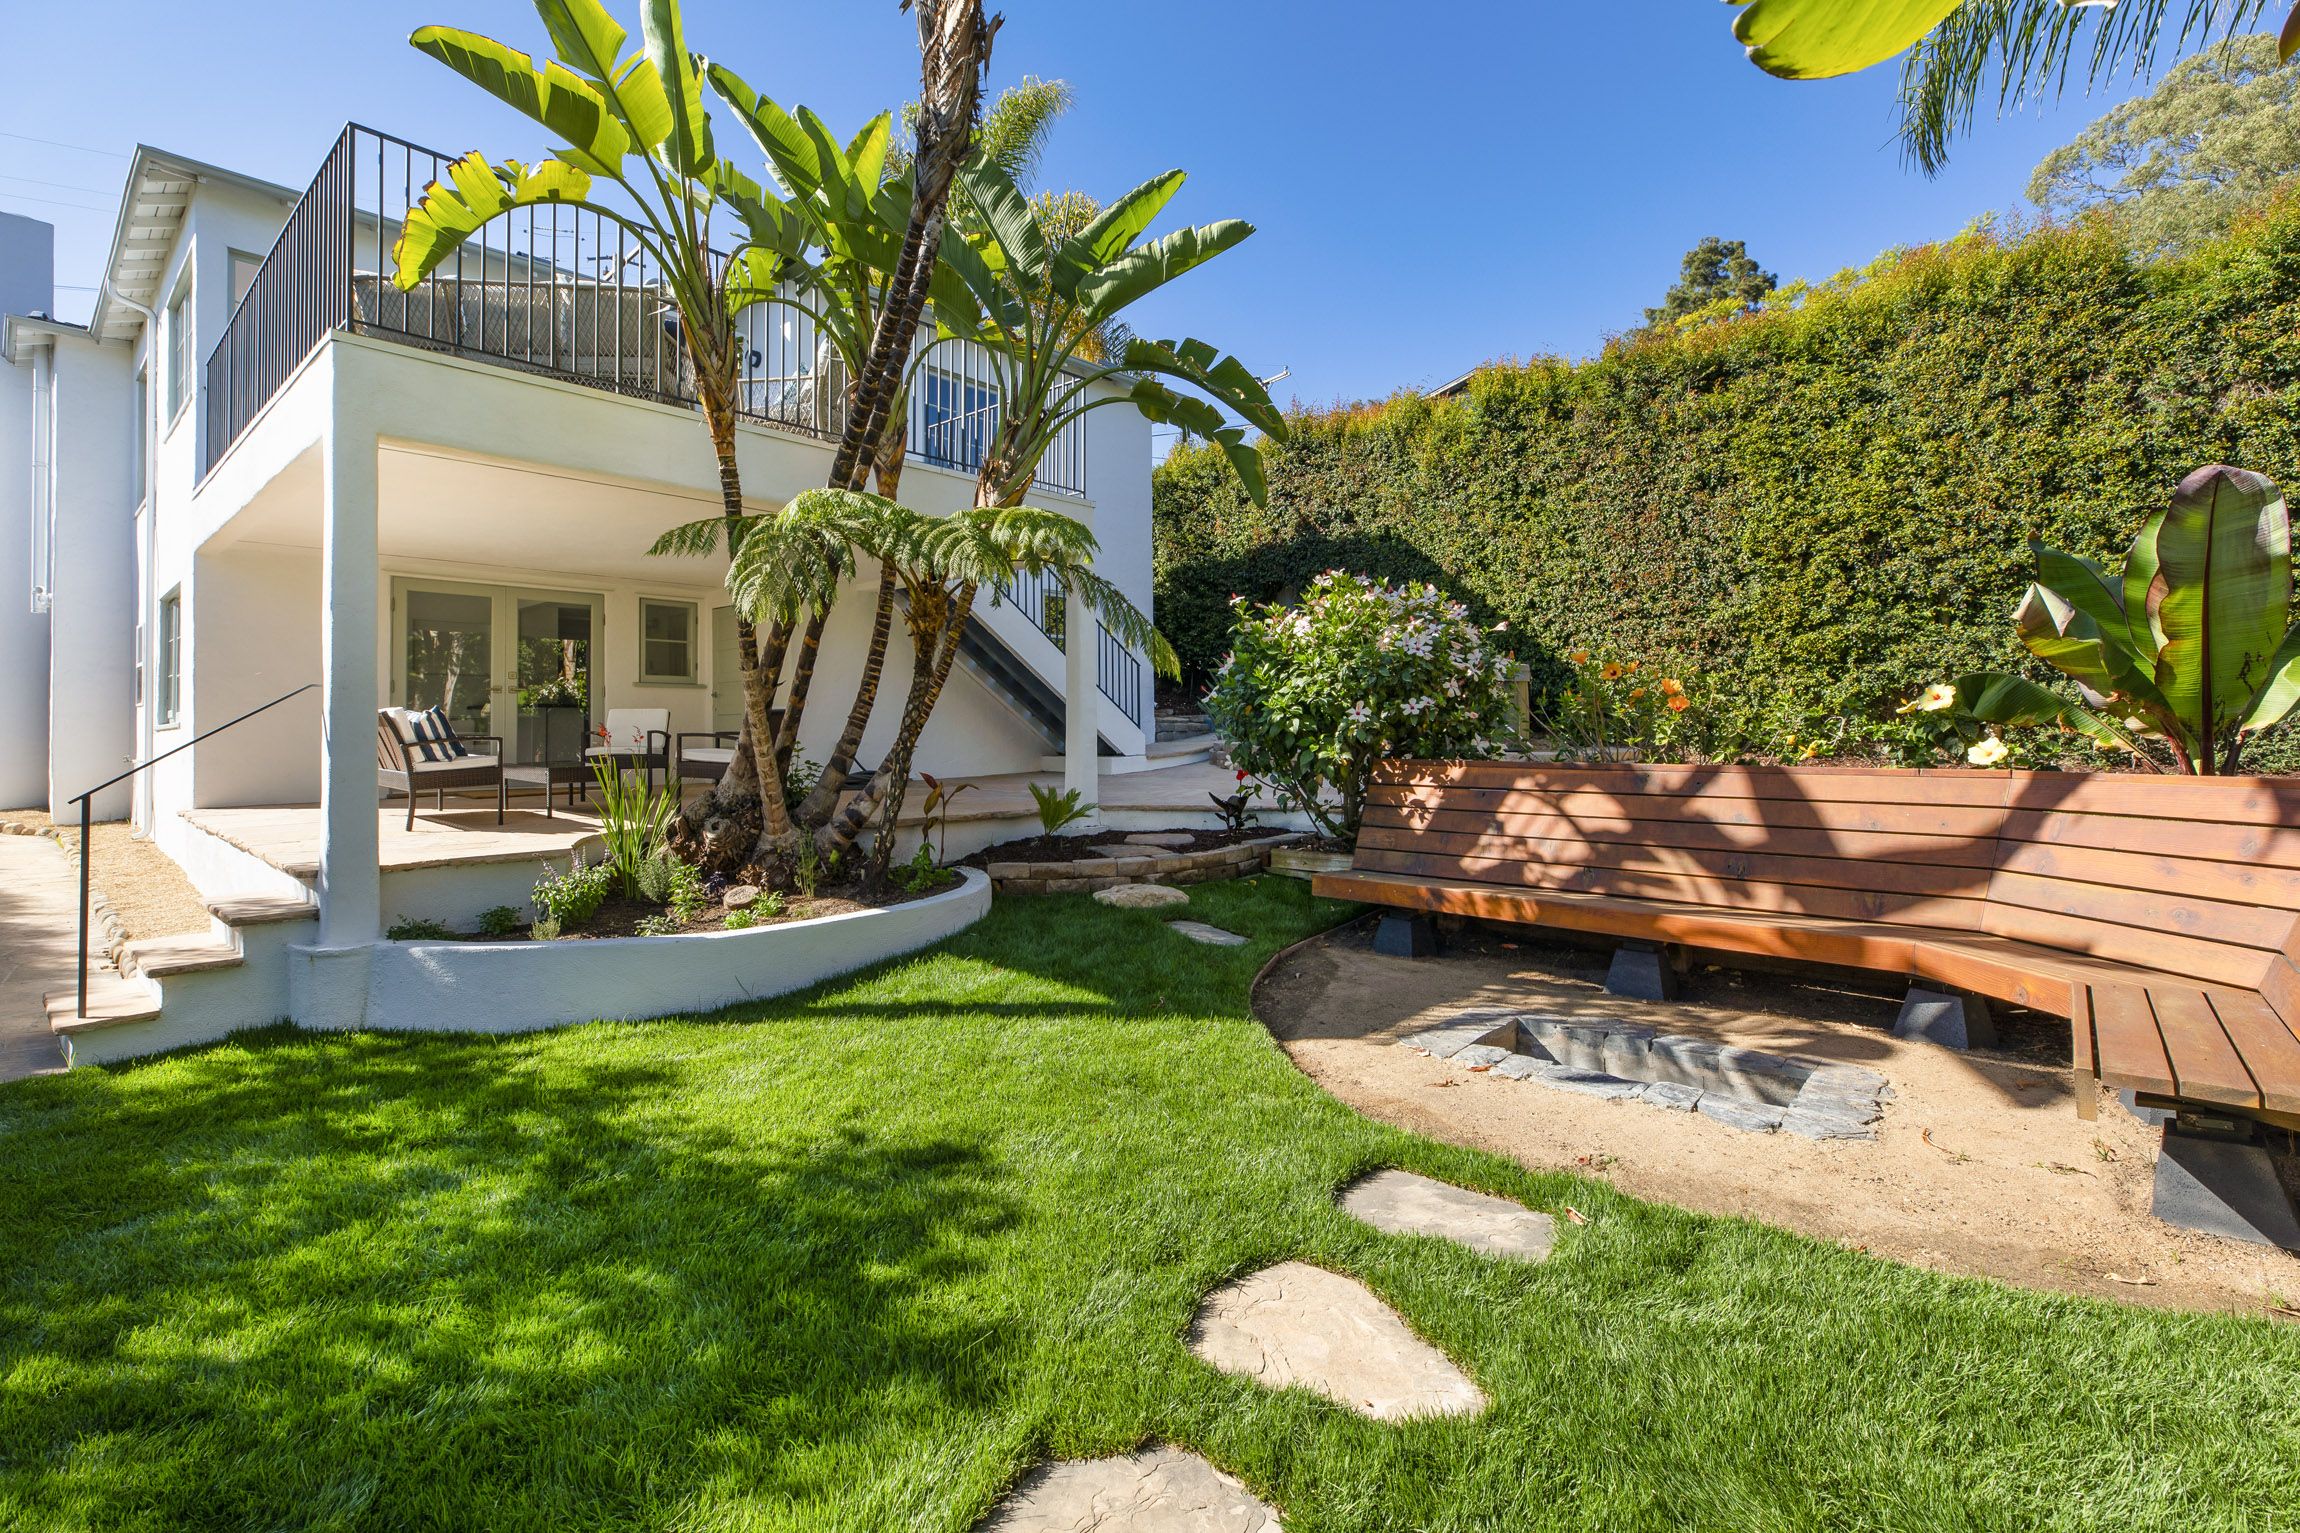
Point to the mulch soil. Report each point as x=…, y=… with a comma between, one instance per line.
x=619, y=917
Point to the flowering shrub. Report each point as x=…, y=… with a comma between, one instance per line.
x=1615, y=706
x=1312, y=696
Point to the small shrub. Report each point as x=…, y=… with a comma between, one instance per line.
x=809, y=872
x=658, y=926
x=1312, y=696
x=632, y=820
x=685, y=893
x=573, y=897
x=498, y=921
x=739, y=920
x=545, y=928
x=921, y=873
x=1610, y=707
x=405, y=930
x=799, y=780
x=1056, y=810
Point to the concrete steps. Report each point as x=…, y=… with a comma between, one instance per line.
x=170, y=991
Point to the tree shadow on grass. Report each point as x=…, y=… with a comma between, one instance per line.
x=368, y=1280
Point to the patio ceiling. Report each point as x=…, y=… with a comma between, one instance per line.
x=447, y=509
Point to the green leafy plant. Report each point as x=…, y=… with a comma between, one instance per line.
x=807, y=871
x=1237, y=810
x=939, y=796
x=740, y=920
x=2190, y=644
x=406, y=930
x=662, y=925
x=546, y=928
x=922, y=872
x=633, y=820
x=1057, y=809
x=498, y=921
x=1613, y=708
x=570, y=898
x=686, y=895
x=1312, y=696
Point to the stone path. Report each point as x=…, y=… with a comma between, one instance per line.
x=1141, y=896
x=1212, y=936
x=1741, y=1088
x=39, y=911
x=1401, y=1203
x=1298, y=1324
x=1164, y=1490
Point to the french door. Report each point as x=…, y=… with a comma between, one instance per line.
x=507, y=661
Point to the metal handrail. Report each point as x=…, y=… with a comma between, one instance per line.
x=87, y=808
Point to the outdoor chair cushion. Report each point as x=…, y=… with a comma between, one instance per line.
x=429, y=738
x=717, y=755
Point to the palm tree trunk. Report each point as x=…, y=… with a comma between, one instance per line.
x=802, y=680
x=820, y=803
x=753, y=775
x=954, y=40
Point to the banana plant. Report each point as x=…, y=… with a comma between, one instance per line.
x=1041, y=304
x=2190, y=644
x=635, y=122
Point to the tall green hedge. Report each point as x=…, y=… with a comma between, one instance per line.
x=1813, y=510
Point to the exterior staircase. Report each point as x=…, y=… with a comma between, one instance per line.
x=170, y=991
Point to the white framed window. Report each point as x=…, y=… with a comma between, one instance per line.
x=179, y=341
x=168, y=698
x=667, y=641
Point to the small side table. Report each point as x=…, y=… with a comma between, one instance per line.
x=550, y=776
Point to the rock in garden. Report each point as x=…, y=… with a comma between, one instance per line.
x=1295, y=1324
x=1164, y=1490
x=1141, y=897
x=1167, y=838
x=1212, y=936
x=741, y=897
x=1401, y=1203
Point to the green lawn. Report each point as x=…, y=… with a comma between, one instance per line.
x=858, y=1258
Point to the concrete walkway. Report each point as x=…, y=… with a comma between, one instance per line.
x=39, y=909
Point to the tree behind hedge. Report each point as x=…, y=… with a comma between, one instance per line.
x=1816, y=509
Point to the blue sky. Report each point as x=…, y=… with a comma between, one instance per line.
x=1435, y=184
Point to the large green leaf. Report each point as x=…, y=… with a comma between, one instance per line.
x=452, y=210
x=645, y=106
x=570, y=107
x=1012, y=223
x=779, y=136
x=1117, y=226
x=2222, y=593
x=1813, y=39
x=2015, y=701
x=2085, y=586
x=1102, y=294
x=584, y=34
x=688, y=146
x=1225, y=378
x=2282, y=688
x=1163, y=407
x=2139, y=576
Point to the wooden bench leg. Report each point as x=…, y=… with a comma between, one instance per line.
x=2087, y=1093
x=1403, y=934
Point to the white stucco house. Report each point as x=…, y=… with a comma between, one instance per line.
x=258, y=467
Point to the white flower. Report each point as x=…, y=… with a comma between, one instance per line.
x=1359, y=713
x=1987, y=753
x=1935, y=698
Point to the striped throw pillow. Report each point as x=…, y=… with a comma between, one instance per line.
x=429, y=736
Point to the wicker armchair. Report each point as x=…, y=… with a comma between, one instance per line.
x=398, y=770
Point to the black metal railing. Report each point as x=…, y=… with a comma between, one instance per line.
x=87, y=801
x=1118, y=671
x=563, y=291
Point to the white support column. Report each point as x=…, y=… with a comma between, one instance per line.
x=350, y=887
x=1081, y=703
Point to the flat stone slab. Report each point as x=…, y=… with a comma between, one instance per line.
x=1141, y=896
x=1460, y=1032
x=1212, y=936
x=1164, y=1490
x=1295, y=1324
x=1165, y=838
x=1402, y=1203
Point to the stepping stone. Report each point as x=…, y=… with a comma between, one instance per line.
x=1814, y=1124
x=1749, y=1117
x=1212, y=936
x=1401, y=1203
x=1295, y=1324
x=1165, y=1490
x=1164, y=838
x=1471, y=1027
x=1141, y=896
x=1483, y=1054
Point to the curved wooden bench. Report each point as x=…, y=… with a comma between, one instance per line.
x=2161, y=916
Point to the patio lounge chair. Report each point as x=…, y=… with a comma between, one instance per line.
x=637, y=738
x=417, y=751
x=708, y=762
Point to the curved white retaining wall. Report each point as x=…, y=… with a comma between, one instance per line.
x=513, y=987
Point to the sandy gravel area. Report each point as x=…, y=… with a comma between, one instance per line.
x=1981, y=1165
x=150, y=894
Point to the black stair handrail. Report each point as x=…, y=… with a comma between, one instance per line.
x=86, y=801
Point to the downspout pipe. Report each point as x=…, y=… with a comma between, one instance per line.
x=146, y=596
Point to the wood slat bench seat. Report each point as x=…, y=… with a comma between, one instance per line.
x=2161, y=916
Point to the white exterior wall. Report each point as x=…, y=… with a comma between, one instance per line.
x=91, y=622
x=27, y=286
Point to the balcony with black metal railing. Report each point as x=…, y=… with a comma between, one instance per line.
x=560, y=291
